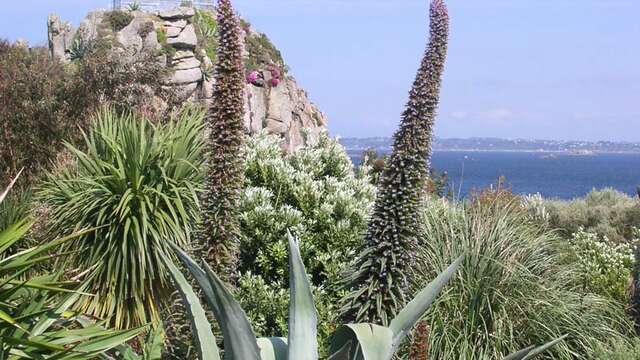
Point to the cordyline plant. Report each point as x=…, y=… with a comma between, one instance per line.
x=349, y=342
x=378, y=282
x=224, y=178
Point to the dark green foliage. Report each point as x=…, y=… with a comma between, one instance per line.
x=379, y=281
x=224, y=178
x=634, y=298
x=43, y=102
x=117, y=19
x=37, y=109
x=137, y=183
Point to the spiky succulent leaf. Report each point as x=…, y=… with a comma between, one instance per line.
x=239, y=338
x=378, y=282
x=371, y=342
x=273, y=348
x=402, y=324
x=303, y=333
x=532, y=351
x=203, y=336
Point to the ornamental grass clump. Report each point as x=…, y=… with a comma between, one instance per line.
x=514, y=288
x=137, y=183
x=378, y=283
x=224, y=178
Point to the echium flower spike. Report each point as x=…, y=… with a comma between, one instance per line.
x=378, y=282
x=220, y=230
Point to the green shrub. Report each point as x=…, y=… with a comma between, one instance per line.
x=118, y=19
x=605, y=268
x=138, y=183
x=315, y=193
x=515, y=287
x=606, y=212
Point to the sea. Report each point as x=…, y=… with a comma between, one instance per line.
x=553, y=175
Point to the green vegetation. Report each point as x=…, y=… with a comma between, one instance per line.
x=137, y=183
x=378, y=282
x=262, y=53
x=206, y=27
x=302, y=241
x=608, y=213
x=514, y=288
x=224, y=176
x=117, y=19
x=34, y=322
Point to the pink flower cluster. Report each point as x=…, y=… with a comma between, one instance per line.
x=275, y=76
x=252, y=77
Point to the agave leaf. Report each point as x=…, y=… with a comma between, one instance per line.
x=374, y=342
x=519, y=355
x=8, y=188
x=203, y=336
x=540, y=349
x=303, y=342
x=239, y=339
x=411, y=314
x=273, y=348
x=343, y=353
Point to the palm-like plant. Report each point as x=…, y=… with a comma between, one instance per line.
x=138, y=184
x=34, y=321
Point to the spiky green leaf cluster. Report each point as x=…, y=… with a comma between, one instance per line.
x=224, y=176
x=34, y=321
x=379, y=280
x=137, y=183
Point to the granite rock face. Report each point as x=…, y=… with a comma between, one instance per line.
x=273, y=102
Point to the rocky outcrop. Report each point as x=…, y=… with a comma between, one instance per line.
x=274, y=102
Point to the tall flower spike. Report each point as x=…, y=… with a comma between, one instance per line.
x=378, y=282
x=220, y=231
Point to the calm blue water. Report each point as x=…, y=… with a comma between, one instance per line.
x=558, y=176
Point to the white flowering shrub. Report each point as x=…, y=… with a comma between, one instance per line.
x=315, y=194
x=605, y=266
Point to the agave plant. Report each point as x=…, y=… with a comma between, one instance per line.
x=137, y=183
x=134, y=6
x=349, y=342
x=34, y=319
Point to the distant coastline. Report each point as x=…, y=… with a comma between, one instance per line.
x=560, y=147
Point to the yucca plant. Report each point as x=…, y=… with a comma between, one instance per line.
x=138, y=184
x=34, y=319
x=349, y=342
x=378, y=282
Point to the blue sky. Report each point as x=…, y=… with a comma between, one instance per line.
x=553, y=69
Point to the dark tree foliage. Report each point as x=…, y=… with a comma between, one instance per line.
x=44, y=102
x=220, y=231
x=379, y=282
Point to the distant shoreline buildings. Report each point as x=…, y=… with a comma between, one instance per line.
x=578, y=148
